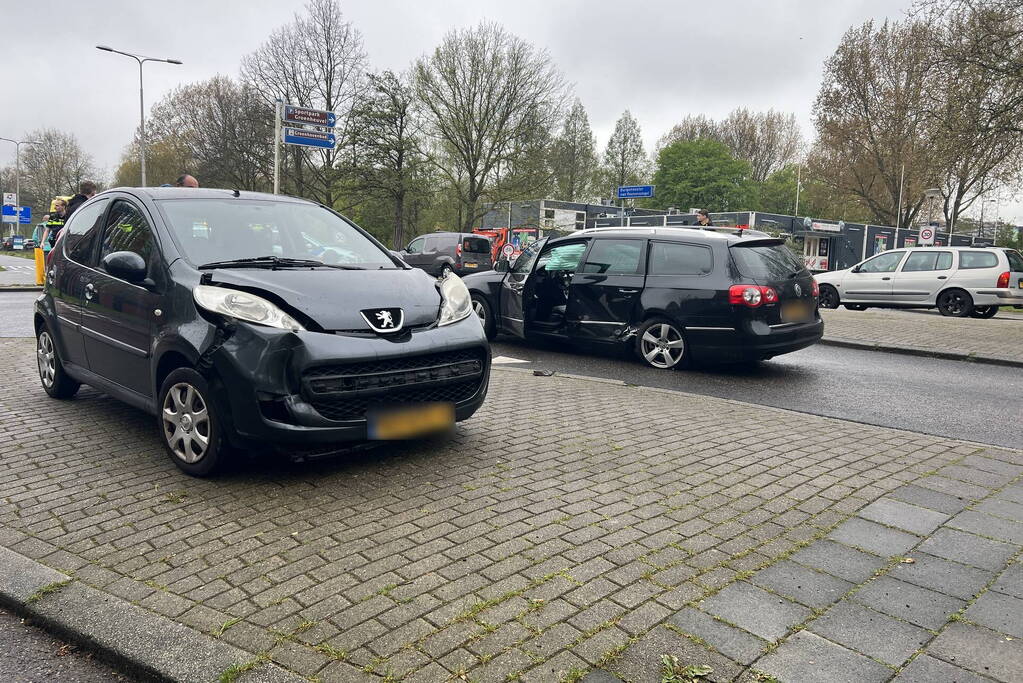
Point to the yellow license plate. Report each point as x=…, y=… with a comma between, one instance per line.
x=794, y=312
x=413, y=421
x=471, y=265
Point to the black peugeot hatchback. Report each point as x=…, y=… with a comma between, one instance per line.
x=673, y=294
x=243, y=319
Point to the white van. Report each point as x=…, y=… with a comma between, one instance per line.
x=959, y=281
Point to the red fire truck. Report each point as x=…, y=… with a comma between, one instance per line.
x=518, y=238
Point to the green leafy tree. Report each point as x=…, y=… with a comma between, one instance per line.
x=625, y=162
x=703, y=173
x=575, y=156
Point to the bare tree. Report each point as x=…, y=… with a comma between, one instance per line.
x=484, y=92
x=870, y=118
x=219, y=130
x=625, y=162
x=390, y=157
x=976, y=108
x=768, y=140
x=575, y=156
x=54, y=167
x=692, y=127
x=315, y=61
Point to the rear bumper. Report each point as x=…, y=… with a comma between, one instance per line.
x=263, y=381
x=753, y=340
x=997, y=297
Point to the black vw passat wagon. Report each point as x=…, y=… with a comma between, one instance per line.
x=674, y=294
x=243, y=319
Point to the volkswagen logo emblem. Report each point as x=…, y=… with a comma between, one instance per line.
x=384, y=320
x=799, y=290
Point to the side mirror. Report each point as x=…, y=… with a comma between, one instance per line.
x=501, y=266
x=125, y=265
x=855, y=269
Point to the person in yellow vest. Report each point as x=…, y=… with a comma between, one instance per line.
x=54, y=223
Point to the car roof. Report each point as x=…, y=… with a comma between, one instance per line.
x=956, y=248
x=682, y=233
x=203, y=193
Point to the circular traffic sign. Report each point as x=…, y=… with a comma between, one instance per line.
x=926, y=234
x=508, y=250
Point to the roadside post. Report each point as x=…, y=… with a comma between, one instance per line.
x=10, y=209
x=311, y=134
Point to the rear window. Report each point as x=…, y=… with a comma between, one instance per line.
x=766, y=261
x=1015, y=260
x=977, y=259
x=476, y=245
x=672, y=258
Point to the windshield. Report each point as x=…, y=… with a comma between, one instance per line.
x=524, y=263
x=766, y=261
x=212, y=230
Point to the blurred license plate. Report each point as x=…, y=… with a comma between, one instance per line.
x=795, y=311
x=405, y=423
x=470, y=265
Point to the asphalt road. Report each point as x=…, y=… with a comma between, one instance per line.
x=31, y=655
x=956, y=399
x=961, y=400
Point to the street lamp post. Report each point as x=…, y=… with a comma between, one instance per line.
x=17, y=162
x=142, y=111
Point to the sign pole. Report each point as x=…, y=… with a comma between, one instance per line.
x=277, y=146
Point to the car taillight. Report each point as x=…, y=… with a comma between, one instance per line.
x=815, y=288
x=751, y=295
x=458, y=250
x=1003, y=281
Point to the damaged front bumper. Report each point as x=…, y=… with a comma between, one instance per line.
x=314, y=389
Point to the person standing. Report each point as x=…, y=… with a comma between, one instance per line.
x=86, y=191
x=54, y=223
x=703, y=218
x=186, y=180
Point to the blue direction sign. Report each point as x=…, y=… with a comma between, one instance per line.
x=312, y=117
x=634, y=191
x=308, y=138
x=17, y=214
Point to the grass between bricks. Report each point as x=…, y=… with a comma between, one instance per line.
x=46, y=590
x=232, y=673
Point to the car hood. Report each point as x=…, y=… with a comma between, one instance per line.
x=334, y=298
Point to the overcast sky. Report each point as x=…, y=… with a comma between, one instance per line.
x=662, y=59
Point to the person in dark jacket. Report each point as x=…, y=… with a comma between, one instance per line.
x=86, y=191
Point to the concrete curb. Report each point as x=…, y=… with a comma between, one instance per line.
x=131, y=638
x=926, y=353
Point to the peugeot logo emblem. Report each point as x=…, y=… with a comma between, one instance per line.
x=799, y=290
x=384, y=320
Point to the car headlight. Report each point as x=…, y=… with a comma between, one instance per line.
x=456, y=303
x=244, y=306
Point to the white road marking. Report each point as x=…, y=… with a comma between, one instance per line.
x=507, y=360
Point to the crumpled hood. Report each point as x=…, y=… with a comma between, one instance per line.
x=334, y=298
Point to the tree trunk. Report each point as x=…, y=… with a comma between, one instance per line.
x=399, y=221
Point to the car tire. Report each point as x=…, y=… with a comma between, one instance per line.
x=56, y=383
x=955, y=303
x=486, y=315
x=828, y=297
x=198, y=446
x=984, y=311
x=855, y=307
x=654, y=342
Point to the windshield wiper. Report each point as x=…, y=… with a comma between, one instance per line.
x=274, y=262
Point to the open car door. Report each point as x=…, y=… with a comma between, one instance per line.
x=516, y=296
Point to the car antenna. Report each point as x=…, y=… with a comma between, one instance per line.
x=236, y=193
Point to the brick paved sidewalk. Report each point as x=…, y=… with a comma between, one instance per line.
x=587, y=536
x=999, y=338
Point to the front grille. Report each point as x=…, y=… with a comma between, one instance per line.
x=349, y=391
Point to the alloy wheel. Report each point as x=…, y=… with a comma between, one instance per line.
x=662, y=346
x=186, y=422
x=953, y=303
x=46, y=358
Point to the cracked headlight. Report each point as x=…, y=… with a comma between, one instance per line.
x=456, y=303
x=244, y=306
